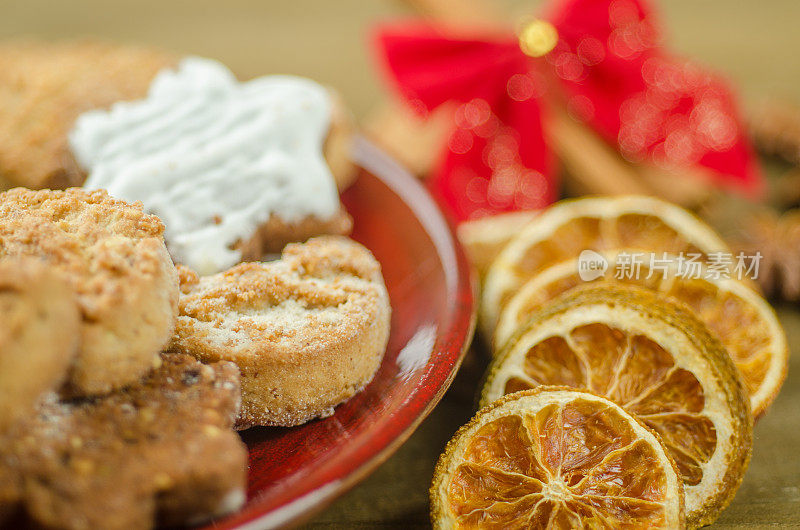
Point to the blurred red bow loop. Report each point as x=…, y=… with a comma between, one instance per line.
x=602, y=59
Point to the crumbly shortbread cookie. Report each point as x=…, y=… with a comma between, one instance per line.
x=44, y=86
x=307, y=331
x=39, y=332
x=161, y=451
x=114, y=258
x=216, y=159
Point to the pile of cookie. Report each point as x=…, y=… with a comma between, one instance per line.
x=123, y=376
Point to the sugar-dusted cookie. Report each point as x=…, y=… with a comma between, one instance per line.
x=39, y=333
x=307, y=331
x=113, y=256
x=44, y=86
x=159, y=452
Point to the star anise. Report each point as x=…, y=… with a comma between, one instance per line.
x=774, y=126
x=764, y=233
x=777, y=238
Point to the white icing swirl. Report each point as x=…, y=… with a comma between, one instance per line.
x=212, y=157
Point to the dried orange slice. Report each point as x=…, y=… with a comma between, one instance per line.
x=555, y=457
x=738, y=315
x=484, y=238
x=597, y=223
x=659, y=362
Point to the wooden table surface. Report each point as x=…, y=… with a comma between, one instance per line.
x=753, y=42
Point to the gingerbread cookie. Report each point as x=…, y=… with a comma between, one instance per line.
x=226, y=165
x=159, y=452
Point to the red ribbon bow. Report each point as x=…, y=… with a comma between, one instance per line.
x=611, y=73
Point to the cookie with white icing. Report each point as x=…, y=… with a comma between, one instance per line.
x=217, y=160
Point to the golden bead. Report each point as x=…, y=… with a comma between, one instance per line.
x=537, y=37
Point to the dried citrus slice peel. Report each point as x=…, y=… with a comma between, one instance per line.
x=484, y=238
x=597, y=223
x=655, y=359
x=555, y=458
x=738, y=315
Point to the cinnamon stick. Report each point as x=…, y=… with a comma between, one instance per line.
x=593, y=167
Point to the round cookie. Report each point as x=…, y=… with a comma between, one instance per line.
x=307, y=331
x=114, y=258
x=39, y=335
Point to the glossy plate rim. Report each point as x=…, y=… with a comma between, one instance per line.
x=461, y=287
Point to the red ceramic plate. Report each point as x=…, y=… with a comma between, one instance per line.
x=296, y=472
